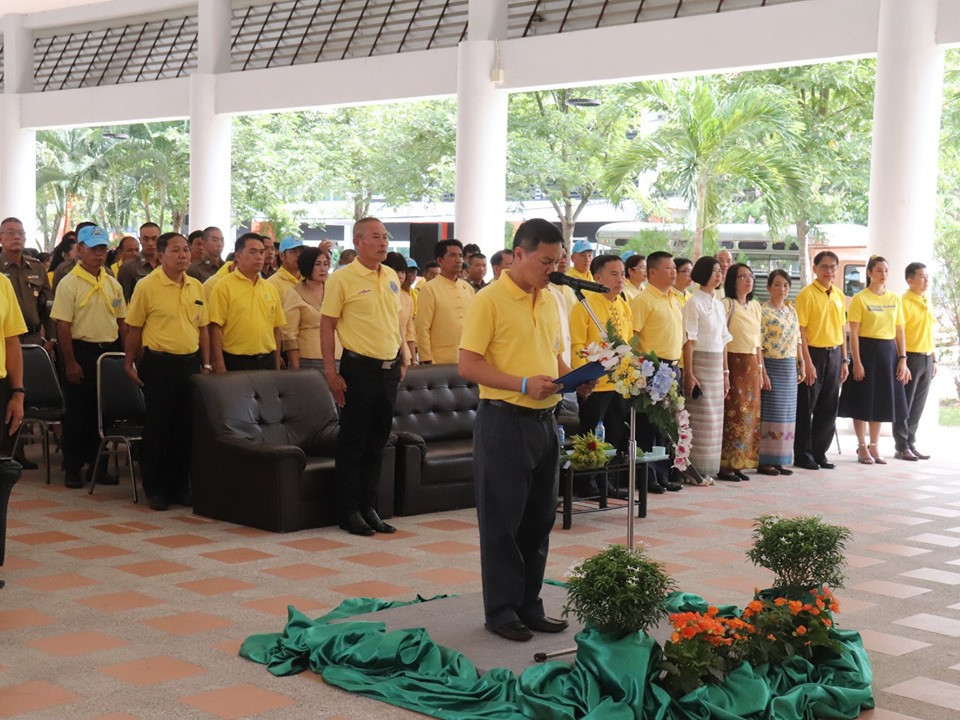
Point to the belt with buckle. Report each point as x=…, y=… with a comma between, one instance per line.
x=538, y=413
x=384, y=364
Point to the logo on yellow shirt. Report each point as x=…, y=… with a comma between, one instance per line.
x=394, y=287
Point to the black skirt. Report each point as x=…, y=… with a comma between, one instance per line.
x=879, y=397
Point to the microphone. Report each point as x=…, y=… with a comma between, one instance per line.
x=558, y=278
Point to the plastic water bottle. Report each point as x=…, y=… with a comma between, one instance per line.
x=561, y=436
x=601, y=432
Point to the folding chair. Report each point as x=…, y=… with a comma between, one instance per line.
x=43, y=403
x=120, y=413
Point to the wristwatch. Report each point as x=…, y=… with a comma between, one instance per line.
x=17, y=390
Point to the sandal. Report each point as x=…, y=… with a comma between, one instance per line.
x=875, y=454
x=863, y=455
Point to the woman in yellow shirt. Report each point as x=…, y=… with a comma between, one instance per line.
x=874, y=393
x=740, y=449
x=301, y=307
x=636, y=267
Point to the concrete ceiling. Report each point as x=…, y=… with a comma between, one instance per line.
x=12, y=7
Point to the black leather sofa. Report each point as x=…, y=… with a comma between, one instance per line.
x=248, y=463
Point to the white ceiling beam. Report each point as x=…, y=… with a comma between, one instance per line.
x=104, y=12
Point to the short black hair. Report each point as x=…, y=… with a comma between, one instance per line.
x=818, y=258
x=242, y=241
x=207, y=230
x=9, y=219
x=150, y=225
x=470, y=249
x=497, y=258
x=534, y=232
x=396, y=262
x=912, y=269
x=601, y=261
x=654, y=258
x=730, y=281
x=81, y=225
x=195, y=235
x=440, y=249
x=165, y=239
x=703, y=269
x=308, y=258
x=680, y=262
x=477, y=255
x=779, y=272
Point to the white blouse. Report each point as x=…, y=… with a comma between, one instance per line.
x=705, y=322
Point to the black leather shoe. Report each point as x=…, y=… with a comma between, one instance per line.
x=158, y=503
x=656, y=488
x=920, y=455
x=546, y=624
x=515, y=630
x=373, y=520
x=768, y=470
x=806, y=465
x=673, y=486
x=26, y=464
x=743, y=476
x=73, y=480
x=782, y=470
x=826, y=464
x=905, y=455
x=727, y=477
x=356, y=525
x=103, y=478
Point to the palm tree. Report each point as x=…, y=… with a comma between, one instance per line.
x=710, y=143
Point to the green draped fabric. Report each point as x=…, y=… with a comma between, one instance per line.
x=611, y=678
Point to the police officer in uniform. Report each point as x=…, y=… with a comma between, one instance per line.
x=511, y=347
x=361, y=304
x=133, y=271
x=89, y=310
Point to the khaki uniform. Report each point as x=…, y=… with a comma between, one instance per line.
x=32, y=289
x=203, y=269
x=133, y=272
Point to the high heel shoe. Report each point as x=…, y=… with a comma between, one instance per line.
x=875, y=454
x=863, y=455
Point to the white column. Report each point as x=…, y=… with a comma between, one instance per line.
x=908, y=102
x=480, y=207
x=210, y=132
x=18, y=151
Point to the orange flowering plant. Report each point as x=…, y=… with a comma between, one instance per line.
x=698, y=651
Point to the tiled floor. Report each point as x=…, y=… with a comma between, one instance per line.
x=111, y=611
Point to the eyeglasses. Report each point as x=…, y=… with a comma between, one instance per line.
x=827, y=268
x=14, y=233
x=744, y=277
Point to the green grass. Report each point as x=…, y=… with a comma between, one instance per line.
x=950, y=413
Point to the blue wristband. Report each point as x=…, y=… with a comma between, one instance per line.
x=523, y=387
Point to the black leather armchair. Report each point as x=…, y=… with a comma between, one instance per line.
x=433, y=421
x=263, y=452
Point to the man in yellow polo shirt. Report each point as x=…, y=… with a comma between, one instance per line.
x=581, y=255
x=11, y=390
x=820, y=311
x=89, y=310
x=442, y=306
x=682, y=286
x=167, y=342
x=511, y=348
x=921, y=359
x=361, y=304
x=286, y=278
x=245, y=314
x=658, y=324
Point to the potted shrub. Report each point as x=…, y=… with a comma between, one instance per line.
x=618, y=591
x=803, y=552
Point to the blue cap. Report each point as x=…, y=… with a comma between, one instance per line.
x=92, y=236
x=581, y=246
x=289, y=243
x=412, y=264
x=627, y=255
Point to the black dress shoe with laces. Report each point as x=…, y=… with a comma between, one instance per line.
x=806, y=465
x=356, y=525
x=546, y=624
x=515, y=630
x=374, y=521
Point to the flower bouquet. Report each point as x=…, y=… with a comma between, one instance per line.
x=589, y=452
x=650, y=385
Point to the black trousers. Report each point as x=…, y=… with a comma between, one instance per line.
x=365, y=422
x=9, y=472
x=516, y=480
x=167, y=435
x=235, y=363
x=80, y=436
x=817, y=406
x=921, y=368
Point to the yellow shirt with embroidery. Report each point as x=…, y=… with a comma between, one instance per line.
x=518, y=333
x=658, y=323
x=170, y=313
x=821, y=314
x=284, y=281
x=878, y=315
x=441, y=310
x=918, y=322
x=90, y=304
x=630, y=291
x=583, y=330
x=247, y=313
x=11, y=319
x=745, y=323
x=573, y=272
x=367, y=305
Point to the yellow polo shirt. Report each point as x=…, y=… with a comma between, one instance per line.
x=583, y=330
x=284, y=281
x=441, y=310
x=630, y=291
x=516, y=332
x=918, y=323
x=878, y=315
x=658, y=323
x=11, y=319
x=573, y=272
x=169, y=312
x=247, y=312
x=366, y=304
x=90, y=304
x=680, y=297
x=822, y=314
x=414, y=294
x=745, y=323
